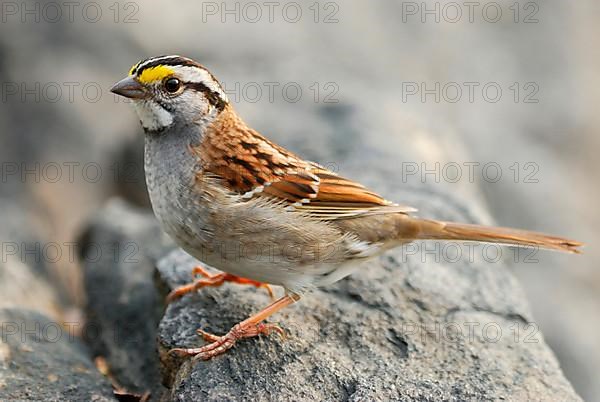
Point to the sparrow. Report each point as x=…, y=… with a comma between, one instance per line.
x=259, y=213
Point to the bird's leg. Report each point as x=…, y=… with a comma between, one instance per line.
x=246, y=281
x=248, y=328
x=208, y=280
x=214, y=280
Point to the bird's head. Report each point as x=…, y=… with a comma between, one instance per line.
x=169, y=90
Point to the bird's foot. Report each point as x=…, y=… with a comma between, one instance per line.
x=220, y=344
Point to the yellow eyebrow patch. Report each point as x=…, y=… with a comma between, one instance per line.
x=157, y=73
x=132, y=69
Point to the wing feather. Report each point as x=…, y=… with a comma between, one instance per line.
x=253, y=166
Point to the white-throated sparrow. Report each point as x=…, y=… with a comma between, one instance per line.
x=219, y=189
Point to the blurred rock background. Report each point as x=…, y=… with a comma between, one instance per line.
x=364, y=69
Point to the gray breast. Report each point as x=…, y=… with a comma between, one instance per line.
x=170, y=176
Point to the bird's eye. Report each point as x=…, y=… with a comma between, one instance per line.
x=172, y=85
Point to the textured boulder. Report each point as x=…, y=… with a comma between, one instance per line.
x=40, y=360
x=119, y=250
x=26, y=281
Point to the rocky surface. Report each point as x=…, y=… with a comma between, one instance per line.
x=40, y=360
x=120, y=250
x=25, y=278
x=41, y=354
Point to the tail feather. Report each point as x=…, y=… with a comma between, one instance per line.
x=430, y=229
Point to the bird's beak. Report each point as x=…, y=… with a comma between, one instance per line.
x=129, y=88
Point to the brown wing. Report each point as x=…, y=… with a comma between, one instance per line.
x=311, y=189
x=252, y=166
x=338, y=197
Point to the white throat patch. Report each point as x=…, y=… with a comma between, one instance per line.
x=152, y=115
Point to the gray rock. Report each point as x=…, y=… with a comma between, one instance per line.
x=42, y=361
x=25, y=277
x=119, y=251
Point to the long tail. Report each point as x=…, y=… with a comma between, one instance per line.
x=430, y=229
